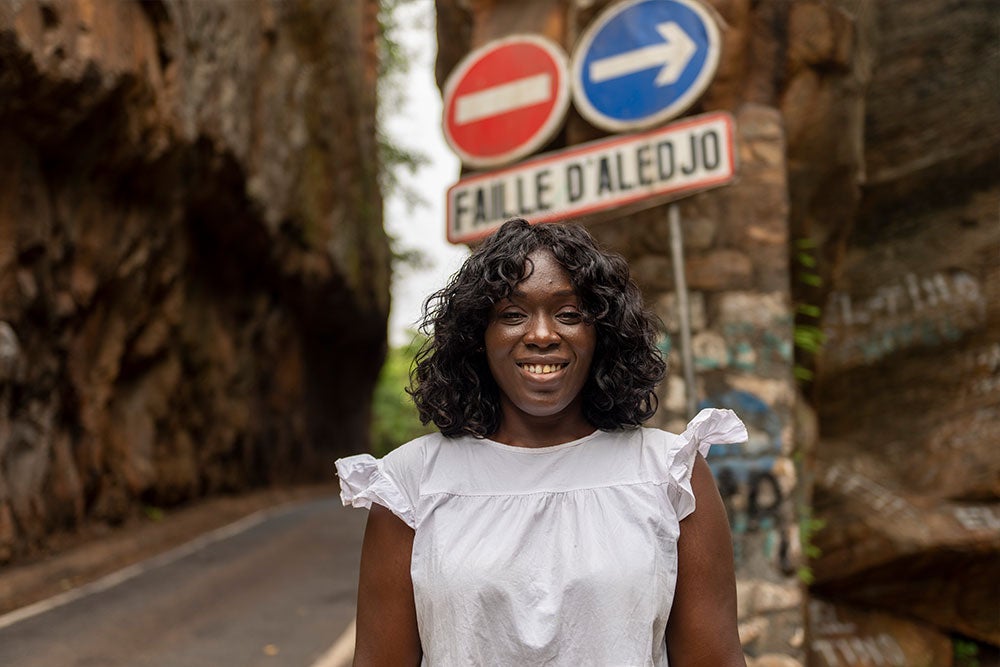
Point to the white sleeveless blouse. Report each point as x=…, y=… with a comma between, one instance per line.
x=561, y=555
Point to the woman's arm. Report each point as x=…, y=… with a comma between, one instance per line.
x=702, y=629
x=387, y=617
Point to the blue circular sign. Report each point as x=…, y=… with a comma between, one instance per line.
x=644, y=62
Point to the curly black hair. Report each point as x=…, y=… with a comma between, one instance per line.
x=451, y=383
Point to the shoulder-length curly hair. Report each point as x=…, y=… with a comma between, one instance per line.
x=451, y=383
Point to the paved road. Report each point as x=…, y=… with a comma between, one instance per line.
x=275, y=595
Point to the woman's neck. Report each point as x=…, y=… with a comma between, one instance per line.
x=522, y=430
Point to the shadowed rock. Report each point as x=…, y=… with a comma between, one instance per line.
x=192, y=260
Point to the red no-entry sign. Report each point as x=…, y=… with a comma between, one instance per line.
x=505, y=100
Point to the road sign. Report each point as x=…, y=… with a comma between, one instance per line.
x=505, y=100
x=643, y=62
x=647, y=168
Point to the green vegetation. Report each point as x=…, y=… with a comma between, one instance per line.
x=808, y=527
x=393, y=65
x=808, y=339
x=394, y=417
x=808, y=336
x=966, y=653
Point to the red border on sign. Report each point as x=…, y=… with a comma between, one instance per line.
x=556, y=114
x=555, y=216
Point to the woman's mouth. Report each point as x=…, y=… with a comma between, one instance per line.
x=543, y=369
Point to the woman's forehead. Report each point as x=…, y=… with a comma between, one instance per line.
x=544, y=271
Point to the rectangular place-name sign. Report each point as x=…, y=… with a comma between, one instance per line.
x=691, y=155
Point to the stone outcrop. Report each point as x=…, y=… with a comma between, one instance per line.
x=907, y=473
x=193, y=272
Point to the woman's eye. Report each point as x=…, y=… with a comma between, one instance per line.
x=570, y=317
x=511, y=316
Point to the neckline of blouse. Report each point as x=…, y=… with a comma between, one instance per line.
x=541, y=450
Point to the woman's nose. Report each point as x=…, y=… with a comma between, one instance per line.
x=541, y=332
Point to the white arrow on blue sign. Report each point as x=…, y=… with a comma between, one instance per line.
x=643, y=62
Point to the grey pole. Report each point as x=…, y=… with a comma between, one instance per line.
x=683, y=307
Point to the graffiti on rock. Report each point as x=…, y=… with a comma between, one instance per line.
x=867, y=491
x=747, y=476
x=978, y=518
x=840, y=643
x=913, y=311
x=741, y=346
x=984, y=367
x=880, y=649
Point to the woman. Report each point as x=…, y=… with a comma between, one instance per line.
x=542, y=524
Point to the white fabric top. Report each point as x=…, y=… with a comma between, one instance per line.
x=561, y=555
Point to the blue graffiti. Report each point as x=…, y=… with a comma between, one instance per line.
x=747, y=470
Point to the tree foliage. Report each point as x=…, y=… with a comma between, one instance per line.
x=394, y=417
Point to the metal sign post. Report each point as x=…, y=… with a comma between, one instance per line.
x=683, y=308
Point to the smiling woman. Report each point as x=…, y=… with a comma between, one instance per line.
x=454, y=385
x=543, y=525
x=539, y=349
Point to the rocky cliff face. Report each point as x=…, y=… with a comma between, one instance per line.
x=193, y=273
x=908, y=475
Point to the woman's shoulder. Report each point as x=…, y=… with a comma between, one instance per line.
x=392, y=481
x=711, y=426
x=408, y=459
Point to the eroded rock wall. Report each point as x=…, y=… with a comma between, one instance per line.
x=193, y=272
x=908, y=470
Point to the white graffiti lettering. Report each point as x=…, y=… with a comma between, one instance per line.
x=823, y=617
x=985, y=362
x=911, y=294
x=929, y=310
x=879, y=497
x=977, y=518
x=879, y=650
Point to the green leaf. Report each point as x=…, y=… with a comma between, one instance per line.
x=153, y=513
x=808, y=338
x=811, y=279
x=805, y=259
x=809, y=309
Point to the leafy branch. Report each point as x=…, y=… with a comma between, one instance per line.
x=808, y=337
x=393, y=66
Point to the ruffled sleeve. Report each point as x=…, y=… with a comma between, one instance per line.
x=363, y=480
x=711, y=426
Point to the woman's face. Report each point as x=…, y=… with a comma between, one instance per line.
x=538, y=346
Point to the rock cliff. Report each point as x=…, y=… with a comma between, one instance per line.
x=908, y=390
x=193, y=272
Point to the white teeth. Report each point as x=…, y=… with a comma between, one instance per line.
x=542, y=369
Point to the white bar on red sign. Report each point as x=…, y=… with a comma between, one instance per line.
x=502, y=99
x=684, y=157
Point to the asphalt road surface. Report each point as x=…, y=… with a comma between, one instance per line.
x=277, y=594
